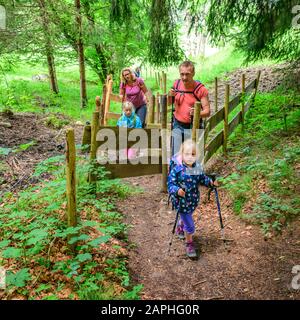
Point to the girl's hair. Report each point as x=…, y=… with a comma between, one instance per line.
x=187, y=143
x=123, y=80
x=128, y=104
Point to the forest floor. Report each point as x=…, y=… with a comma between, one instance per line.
x=248, y=267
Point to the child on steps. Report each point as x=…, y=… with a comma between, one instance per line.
x=129, y=119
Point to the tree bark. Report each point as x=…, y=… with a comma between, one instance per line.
x=48, y=47
x=83, y=91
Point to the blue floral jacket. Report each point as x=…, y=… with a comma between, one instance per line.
x=184, y=177
x=133, y=121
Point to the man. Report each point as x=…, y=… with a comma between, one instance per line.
x=186, y=92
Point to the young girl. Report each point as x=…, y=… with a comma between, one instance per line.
x=184, y=178
x=129, y=120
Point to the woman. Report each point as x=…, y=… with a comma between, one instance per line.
x=133, y=89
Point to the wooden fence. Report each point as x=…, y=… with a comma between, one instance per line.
x=157, y=120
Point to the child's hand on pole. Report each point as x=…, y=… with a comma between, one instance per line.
x=181, y=192
x=214, y=183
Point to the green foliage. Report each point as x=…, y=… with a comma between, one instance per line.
x=164, y=48
x=261, y=29
x=19, y=278
x=32, y=225
x=264, y=187
x=55, y=122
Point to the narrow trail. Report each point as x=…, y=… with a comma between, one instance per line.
x=248, y=267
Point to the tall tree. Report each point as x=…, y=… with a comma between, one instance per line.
x=83, y=92
x=48, y=46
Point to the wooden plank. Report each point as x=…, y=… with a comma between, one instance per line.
x=115, y=98
x=113, y=115
x=234, y=122
x=247, y=105
x=250, y=86
x=215, y=119
x=157, y=126
x=214, y=145
x=233, y=103
x=133, y=170
x=216, y=95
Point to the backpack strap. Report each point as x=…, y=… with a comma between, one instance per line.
x=199, y=84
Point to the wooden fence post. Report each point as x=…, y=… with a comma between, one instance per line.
x=151, y=109
x=98, y=103
x=216, y=94
x=71, y=182
x=157, y=103
x=226, y=112
x=160, y=81
x=94, y=129
x=196, y=121
x=256, y=83
x=164, y=111
x=107, y=100
x=157, y=78
x=164, y=80
x=243, y=97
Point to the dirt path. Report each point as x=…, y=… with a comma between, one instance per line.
x=249, y=267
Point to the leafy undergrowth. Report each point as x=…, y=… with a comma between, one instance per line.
x=265, y=185
x=36, y=244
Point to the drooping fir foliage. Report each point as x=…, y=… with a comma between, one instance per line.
x=163, y=39
x=121, y=10
x=261, y=28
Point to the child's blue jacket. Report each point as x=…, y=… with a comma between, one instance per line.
x=133, y=121
x=184, y=177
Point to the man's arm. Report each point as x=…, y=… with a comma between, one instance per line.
x=205, y=112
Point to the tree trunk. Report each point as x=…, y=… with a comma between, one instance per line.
x=49, y=47
x=83, y=92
